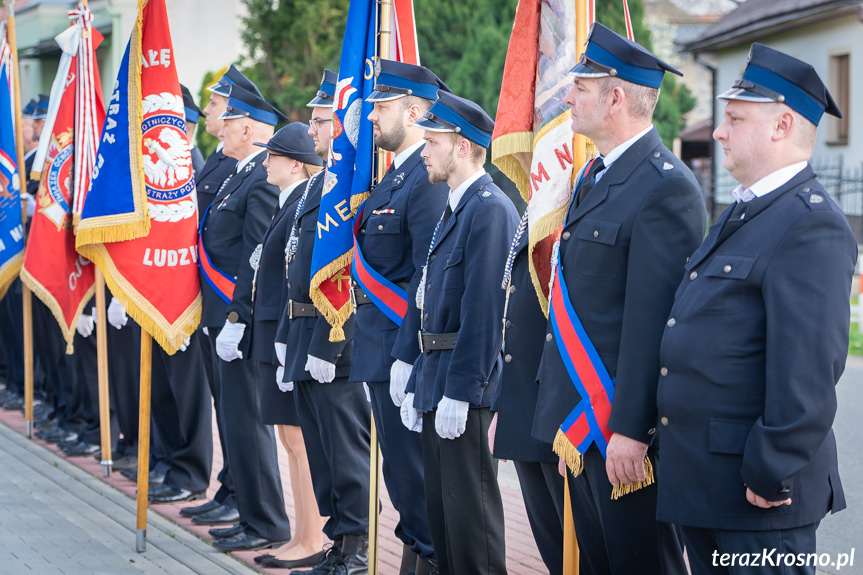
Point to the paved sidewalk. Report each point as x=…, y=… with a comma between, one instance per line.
x=58, y=519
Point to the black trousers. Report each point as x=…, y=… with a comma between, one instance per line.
x=542, y=490
x=180, y=403
x=621, y=537
x=335, y=418
x=711, y=551
x=251, y=448
x=402, y=451
x=12, y=326
x=465, y=509
x=86, y=368
x=225, y=495
x=124, y=382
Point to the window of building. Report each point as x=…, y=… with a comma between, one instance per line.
x=840, y=88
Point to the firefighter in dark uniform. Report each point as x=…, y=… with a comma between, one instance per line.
x=231, y=230
x=193, y=114
x=757, y=340
x=635, y=217
x=395, y=231
x=334, y=414
x=513, y=408
x=457, y=373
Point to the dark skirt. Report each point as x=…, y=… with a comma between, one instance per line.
x=276, y=407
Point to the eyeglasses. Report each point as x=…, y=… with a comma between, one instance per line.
x=315, y=124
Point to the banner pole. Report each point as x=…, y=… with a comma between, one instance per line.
x=144, y=441
x=28, y=359
x=102, y=373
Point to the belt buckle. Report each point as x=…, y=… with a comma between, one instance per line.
x=290, y=309
x=354, y=298
x=420, y=337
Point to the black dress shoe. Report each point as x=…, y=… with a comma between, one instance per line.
x=80, y=449
x=310, y=561
x=154, y=479
x=245, y=541
x=332, y=555
x=222, y=515
x=124, y=462
x=46, y=424
x=227, y=532
x=13, y=404
x=58, y=435
x=167, y=494
x=260, y=558
x=200, y=509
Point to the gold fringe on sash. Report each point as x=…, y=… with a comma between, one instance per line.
x=575, y=462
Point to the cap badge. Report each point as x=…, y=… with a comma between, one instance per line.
x=377, y=67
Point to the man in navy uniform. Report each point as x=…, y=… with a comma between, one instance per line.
x=514, y=406
x=757, y=339
x=395, y=230
x=457, y=372
x=231, y=230
x=635, y=217
x=193, y=114
x=334, y=414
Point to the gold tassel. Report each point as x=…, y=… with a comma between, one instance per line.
x=8, y=275
x=335, y=317
x=511, y=153
x=621, y=490
x=51, y=303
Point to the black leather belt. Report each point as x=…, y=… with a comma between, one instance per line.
x=437, y=341
x=361, y=298
x=296, y=309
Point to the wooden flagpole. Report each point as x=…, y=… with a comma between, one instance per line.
x=19, y=152
x=102, y=373
x=144, y=441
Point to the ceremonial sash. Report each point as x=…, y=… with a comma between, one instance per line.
x=222, y=283
x=387, y=296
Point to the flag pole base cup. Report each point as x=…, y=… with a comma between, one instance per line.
x=29, y=431
x=106, y=467
x=141, y=540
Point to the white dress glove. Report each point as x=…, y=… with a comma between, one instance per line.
x=228, y=341
x=451, y=417
x=30, y=201
x=281, y=352
x=368, y=393
x=400, y=372
x=85, y=325
x=411, y=418
x=185, y=345
x=320, y=370
x=283, y=385
x=206, y=331
x=116, y=314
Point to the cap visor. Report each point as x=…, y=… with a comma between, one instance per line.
x=378, y=96
x=431, y=125
x=744, y=95
x=582, y=70
x=226, y=115
x=318, y=102
x=219, y=89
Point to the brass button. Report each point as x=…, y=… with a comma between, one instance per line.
x=664, y=371
x=596, y=233
x=565, y=235
x=485, y=384
x=664, y=421
x=338, y=355
x=362, y=231
x=693, y=275
x=727, y=269
x=206, y=186
x=548, y=337
x=671, y=322
x=380, y=226
x=428, y=287
x=507, y=358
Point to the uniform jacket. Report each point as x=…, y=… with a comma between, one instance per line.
x=395, y=244
x=463, y=295
x=623, y=250
x=515, y=402
x=197, y=163
x=270, y=280
x=309, y=335
x=32, y=185
x=751, y=354
x=233, y=229
x=208, y=180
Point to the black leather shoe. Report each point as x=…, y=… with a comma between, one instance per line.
x=310, y=561
x=47, y=424
x=245, y=541
x=222, y=515
x=154, y=479
x=13, y=404
x=332, y=555
x=260, y=558
x=200, y=509
x=354, y=559
x=227, y=532
x=80, y=449
x=58, y=435
x=167, y=494
x=125, y=462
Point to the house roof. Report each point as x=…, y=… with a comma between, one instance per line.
x=753, y=18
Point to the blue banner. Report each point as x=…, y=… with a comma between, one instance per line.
x=11, y=226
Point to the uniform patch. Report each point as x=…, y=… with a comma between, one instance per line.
x=667, y=166
x=816, y=199
x=486, y=194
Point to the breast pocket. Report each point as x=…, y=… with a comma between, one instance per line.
x=597, y=254
x=728, y=292
x=307, y=240
x=453, y=271
x=383, y=241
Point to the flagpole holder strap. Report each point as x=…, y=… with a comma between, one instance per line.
x=437, y=341
x=296, y=309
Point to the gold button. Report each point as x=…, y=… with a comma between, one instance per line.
x=565, y=235
x=671, y=322
x=664, y=421
x=507, y=358
x=548, y=337
x=664, y=371
x=380, y=226
x=596, y=233
x=432, y=258
x=693, y=275
x=727, y=269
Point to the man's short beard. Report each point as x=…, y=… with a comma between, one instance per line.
x=445, y=172
x=392, y=140
x=323, y=152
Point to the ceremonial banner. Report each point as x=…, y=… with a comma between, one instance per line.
x=533, y=143
x=56, y=273
x=349, y=170
x=138, y=221
x=11, y=226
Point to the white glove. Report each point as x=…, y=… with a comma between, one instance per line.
x=228, y=341
x=368, y=394
x=206, y=331
x=30, y=201
x=185, y=345
x=411, y=418
x=85, y=325
x=283, y=385
x=281, y=352
x=400, y=372
x=451, y=417
x=116, y=314
x=320, y=370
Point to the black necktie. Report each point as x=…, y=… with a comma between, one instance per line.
x=590, y=179
x=734, y=221
x=446, y=214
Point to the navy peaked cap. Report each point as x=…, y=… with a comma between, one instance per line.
x=29, y=110
x=294, y=142
x=395, y=80
x=610, y=54
x=772, y=76
x=325, y=97
x=193, y=112
x=245, y=104
x=233, y=77
x=455, y=114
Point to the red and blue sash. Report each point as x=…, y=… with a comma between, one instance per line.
x=387, y=296
x=223, y=284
